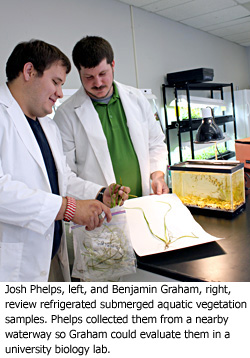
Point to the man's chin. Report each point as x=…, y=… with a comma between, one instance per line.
x=98, y=94
x=46, y=112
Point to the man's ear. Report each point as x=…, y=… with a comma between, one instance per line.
x=28, y=71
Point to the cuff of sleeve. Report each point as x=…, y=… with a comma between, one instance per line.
x=100, y=195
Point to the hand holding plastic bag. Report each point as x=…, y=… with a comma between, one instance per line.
x=106, y=253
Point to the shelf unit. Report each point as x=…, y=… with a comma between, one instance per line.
x=190, y=124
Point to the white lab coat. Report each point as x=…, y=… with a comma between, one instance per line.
x=27, y=206
x=85, y=144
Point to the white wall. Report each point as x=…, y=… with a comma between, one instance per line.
x=162, y=45
x=248, y=56
x=63, y=23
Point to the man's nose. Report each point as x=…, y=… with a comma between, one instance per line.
x=59, y=92
x=97, y=81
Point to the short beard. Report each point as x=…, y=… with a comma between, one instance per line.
x=96, y=97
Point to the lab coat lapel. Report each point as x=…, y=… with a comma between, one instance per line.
x=50, y=131
x=133, y=115
x=91, y=122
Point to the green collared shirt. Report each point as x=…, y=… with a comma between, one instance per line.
x=124, y=159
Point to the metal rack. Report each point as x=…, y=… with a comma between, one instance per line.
x=190, y=124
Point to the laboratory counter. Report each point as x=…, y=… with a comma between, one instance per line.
x=226, y=260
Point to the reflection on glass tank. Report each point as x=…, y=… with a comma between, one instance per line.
x=213, y=185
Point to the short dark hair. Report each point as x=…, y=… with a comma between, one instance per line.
x=41, y=54
x=90, y=51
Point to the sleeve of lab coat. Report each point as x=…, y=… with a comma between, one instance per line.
x=79, y=188
x=24, y=207
x=75, y=186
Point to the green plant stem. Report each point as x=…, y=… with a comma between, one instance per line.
x=167, y=240
x=117, y=197
x=152, y=233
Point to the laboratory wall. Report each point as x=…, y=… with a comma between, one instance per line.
x=248, y=56
x=146, y=45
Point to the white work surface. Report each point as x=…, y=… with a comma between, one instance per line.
x=180, y=224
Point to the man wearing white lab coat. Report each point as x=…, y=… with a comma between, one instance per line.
x=28, y=208
x=85, y=143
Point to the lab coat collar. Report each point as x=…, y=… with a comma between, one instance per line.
x=6, y=97
x=80, y=97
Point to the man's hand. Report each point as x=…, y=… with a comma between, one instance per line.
x=115, y=194
x=159, y=185
x=88, y=211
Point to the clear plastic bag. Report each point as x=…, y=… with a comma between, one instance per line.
x=106, y=253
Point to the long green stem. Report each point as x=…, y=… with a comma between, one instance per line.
x=152, y=233
x=167, y=240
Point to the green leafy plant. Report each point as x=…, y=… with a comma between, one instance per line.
x=195, y=113
x=207, y=153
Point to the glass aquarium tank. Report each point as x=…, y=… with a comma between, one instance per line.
x=210, y=186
